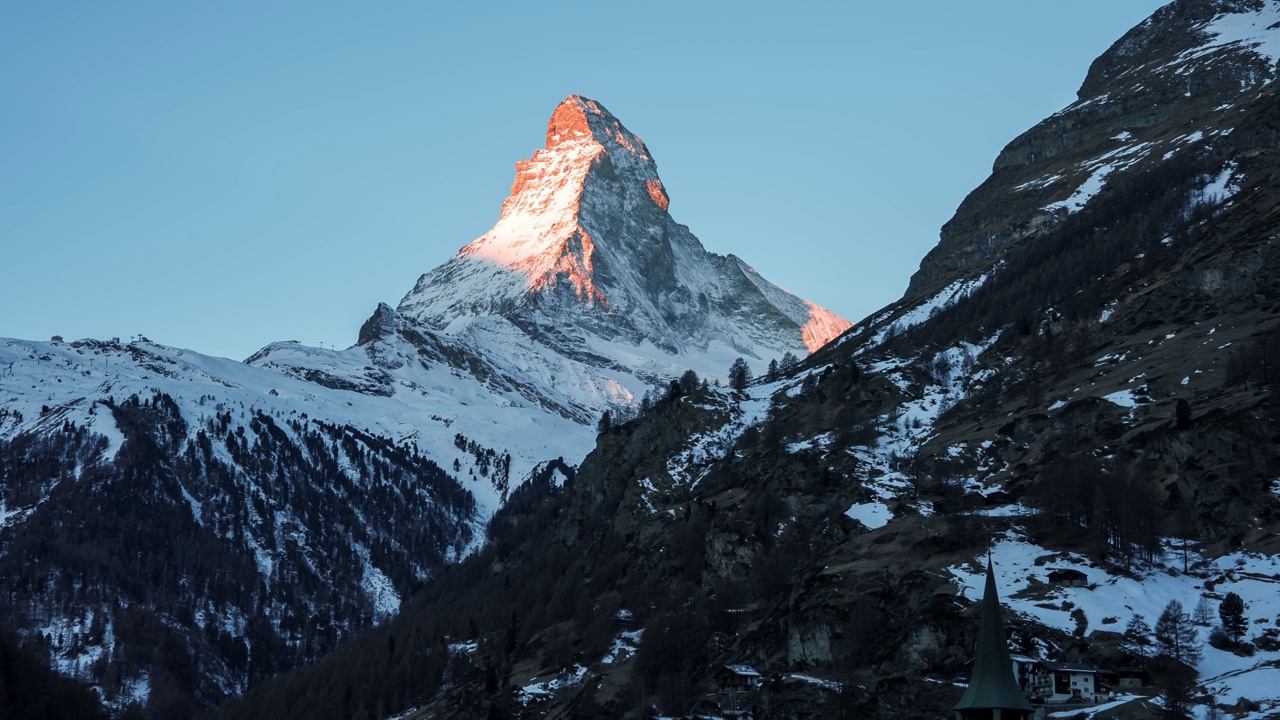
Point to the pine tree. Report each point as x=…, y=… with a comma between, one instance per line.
x=1232, y=613
x=1137, y=639
x=739, y=374
x=1175, y=691
x=1237, y=372
x=1202, y=613
x=606, y=422
x=1182, y=414
x=1175, y=636
x=689, y=381
x=773, y=370
x=789, y=360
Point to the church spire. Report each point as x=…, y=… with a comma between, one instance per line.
x=993, y=692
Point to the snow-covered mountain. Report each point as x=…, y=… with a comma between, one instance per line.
x=585, y=236
x=584, y=294
x=308, y=490
x=1079, y=386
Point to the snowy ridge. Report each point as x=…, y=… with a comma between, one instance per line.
x=223, y=410
x=424, y=406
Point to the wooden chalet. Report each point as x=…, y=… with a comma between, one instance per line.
x=738, y=678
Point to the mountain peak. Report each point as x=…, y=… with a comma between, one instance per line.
x=582, y=137
x=578, y=118
x=591, y=166
x=585, y=244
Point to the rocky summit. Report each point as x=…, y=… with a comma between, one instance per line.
x=586, y=248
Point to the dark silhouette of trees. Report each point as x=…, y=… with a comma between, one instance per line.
x=1176, y=684
x=1182, y=414
x=1176, y=636
x=739, y=374
x=689, y=382
x=31, y=690
x=1137, y=639
x=1233, y=621
x=121, y=546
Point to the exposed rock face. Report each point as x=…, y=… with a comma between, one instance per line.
x=809, y=645
x=1193, y=65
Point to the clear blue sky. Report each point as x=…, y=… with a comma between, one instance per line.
x=218, y=176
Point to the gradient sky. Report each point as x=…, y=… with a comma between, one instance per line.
x=218, y=176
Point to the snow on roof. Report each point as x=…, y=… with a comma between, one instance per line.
x=744, y=670
x=1068, y=667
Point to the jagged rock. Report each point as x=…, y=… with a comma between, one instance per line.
x=808, y=645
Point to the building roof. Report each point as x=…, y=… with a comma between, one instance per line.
x=743, y=670
x=992, y=685
x=1068, y=667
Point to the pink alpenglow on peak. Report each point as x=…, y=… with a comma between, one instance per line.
x=585, y=247
x=540, y=234
x=823, y=327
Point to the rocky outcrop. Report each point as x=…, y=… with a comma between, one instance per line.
x=1193, y=65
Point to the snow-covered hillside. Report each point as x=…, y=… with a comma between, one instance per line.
x=1109, y=600
x=427, y=411
x=331, y=482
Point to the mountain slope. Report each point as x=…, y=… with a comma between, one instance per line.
x=175, y=527
x=242, y=519
x=1080, y=378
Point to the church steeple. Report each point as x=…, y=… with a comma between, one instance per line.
x=993, y=692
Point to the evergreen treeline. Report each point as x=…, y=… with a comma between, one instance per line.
x=209, y=560
x=1081, y=502
x=554, y=577
x=396, y=667
x=31, y=690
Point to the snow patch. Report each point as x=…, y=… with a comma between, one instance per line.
x=945, y=298
x=831, y=685
x=539, y=690
x=1099, y=170
x=873, y=515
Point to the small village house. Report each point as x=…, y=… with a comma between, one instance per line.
x=1068, y=577
x=738, y=678
x=1059, y=682
x=1023, y=671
